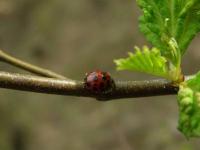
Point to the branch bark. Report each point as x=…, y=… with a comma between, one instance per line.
x=124, y=89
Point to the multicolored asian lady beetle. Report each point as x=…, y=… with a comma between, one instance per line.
x=99, y=82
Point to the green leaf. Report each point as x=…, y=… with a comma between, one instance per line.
x=189, y=107
x=148, y=61
x=163, y=20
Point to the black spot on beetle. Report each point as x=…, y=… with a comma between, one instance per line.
x=104, y=77
x=88, y=84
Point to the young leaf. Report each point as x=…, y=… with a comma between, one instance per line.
x=189, y=107
x=164, y=20
x=148, y=61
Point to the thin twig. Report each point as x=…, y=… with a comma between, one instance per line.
x=28, y=67
x=124, y=89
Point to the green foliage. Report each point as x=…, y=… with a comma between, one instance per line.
x=189, y=107
x=169, y=25
x=148, y=61
x=163, y=20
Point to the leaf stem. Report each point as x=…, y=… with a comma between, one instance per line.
x=29, y=67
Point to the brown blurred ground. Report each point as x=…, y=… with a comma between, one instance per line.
x=73, y=37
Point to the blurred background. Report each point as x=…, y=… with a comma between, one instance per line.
x=72, y=37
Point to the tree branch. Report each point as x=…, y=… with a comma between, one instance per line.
x=124, y=89
x=29, y=67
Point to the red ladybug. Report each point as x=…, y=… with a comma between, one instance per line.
x=99, y=82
